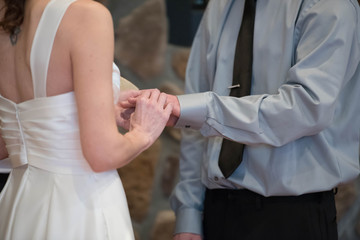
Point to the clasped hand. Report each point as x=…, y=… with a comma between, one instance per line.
x=131, y=100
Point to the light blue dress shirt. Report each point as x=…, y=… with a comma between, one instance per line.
x=301, y=122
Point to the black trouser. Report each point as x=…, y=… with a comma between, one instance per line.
x=3, y=179
x=245, y=215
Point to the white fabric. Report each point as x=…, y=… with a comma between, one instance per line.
x=5, y=165
x=116, y=82
x=52, y=193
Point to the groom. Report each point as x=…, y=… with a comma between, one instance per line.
x=300, y=122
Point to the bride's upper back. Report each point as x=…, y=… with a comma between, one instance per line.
x=16, y=81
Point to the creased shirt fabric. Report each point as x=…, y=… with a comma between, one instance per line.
x=301, y=121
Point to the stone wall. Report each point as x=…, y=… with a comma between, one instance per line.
x=147, y=59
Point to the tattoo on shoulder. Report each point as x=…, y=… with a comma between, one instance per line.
x=14, y=36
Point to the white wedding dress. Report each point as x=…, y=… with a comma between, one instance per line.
x=52, y=193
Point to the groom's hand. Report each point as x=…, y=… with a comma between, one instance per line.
x=175, y=114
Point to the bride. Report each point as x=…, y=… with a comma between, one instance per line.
x=58, y=126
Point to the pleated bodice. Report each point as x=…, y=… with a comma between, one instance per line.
x=43, y=132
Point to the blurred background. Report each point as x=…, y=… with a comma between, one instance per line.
x=152, y=45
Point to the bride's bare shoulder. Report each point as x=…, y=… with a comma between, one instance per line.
x=88, y=9
x=88, y=12
x=85, y=18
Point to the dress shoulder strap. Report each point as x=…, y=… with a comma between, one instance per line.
x=43, y=42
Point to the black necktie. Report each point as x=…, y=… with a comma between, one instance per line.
x=231, y=152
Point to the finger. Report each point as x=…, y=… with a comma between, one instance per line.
x=155, y=93
x=128, y=104
x=124, y=95
x=162, y=99
x=132, y=99
x=168, y=109
x=145, y=93
x=134, y=93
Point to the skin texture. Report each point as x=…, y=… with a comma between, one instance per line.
x=81, y=61
x=130, y=102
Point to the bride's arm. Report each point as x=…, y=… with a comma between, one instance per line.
x=90, y=31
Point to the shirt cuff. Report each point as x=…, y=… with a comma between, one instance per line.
x=192, y=111
x=188, y=221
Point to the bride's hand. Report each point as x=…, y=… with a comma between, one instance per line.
x=124, y=111
x=151, y=114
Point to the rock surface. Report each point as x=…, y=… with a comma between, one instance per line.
x=141, y=39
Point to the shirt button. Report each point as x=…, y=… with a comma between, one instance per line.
x=216, y=178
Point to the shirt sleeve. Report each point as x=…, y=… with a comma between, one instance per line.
x=304, y=105
x=188, y=195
